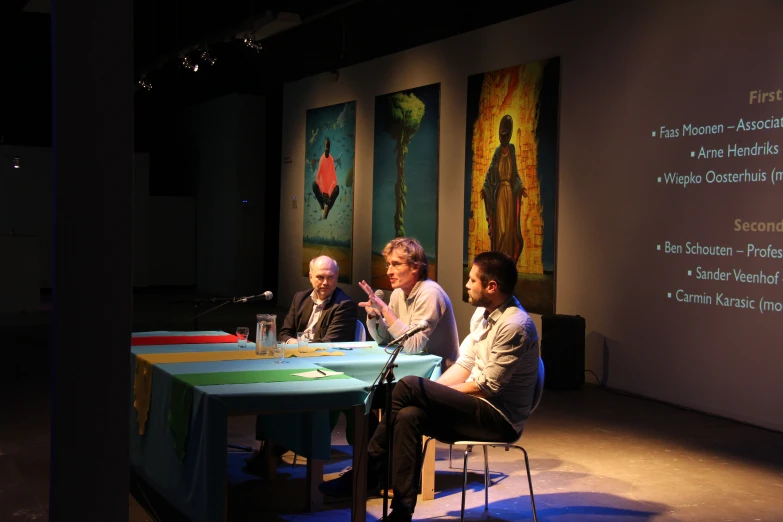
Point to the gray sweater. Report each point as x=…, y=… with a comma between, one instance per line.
x=427, y=301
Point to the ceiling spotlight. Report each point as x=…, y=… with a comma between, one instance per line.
x=250, y=42
x=17, y=163
x=147, y=86
x=187, y=65
x=207, y=58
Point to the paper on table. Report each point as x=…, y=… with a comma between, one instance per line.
x=317, y=374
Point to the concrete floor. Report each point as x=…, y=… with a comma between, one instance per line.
x=596, y=455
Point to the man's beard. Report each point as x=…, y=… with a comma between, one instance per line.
x=478, y=302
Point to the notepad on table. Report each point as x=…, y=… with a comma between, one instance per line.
x=317, y=374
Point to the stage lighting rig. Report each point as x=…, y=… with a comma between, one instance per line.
x=207, y=58
x=188, y=65
x=250, y=42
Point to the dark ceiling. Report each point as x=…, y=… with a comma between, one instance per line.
x=331, y=34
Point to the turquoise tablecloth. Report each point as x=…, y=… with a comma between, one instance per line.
x=195, y=486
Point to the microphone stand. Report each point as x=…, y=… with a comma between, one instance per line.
x=197, y=307
x=222, y=300
x=387, y=375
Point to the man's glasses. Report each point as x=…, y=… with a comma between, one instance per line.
x=395, y=265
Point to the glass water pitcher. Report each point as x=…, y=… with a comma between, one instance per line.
x=266, y=333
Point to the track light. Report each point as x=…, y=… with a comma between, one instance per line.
x=250, y=42
x=207, y=58
x=17, y=163
x=187, y=65
x=147, y=86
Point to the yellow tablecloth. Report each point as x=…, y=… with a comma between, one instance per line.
x=228, y=355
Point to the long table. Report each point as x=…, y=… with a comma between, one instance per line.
x=196, y=485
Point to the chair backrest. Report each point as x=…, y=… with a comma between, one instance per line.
x=539, y=385
x=361, y=334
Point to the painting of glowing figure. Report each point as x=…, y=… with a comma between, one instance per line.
x=511, y=174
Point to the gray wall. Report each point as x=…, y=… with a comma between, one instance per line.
x=627, y=69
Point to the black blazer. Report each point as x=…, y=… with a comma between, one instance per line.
x=336, y=324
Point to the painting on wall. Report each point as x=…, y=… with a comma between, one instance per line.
x=405, y=174
x=328, y=184
x=511, y=174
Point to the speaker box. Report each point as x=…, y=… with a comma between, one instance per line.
x=563, y=351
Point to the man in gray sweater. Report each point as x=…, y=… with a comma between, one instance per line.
x=415, y=299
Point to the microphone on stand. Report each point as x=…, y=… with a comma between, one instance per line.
x=413, y=330
x=266, y=296
x=387, y=375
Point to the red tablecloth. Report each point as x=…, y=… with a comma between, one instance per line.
x=182, y=339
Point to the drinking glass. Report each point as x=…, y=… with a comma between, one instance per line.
x=242, y=333
x=303, y=341
x=278, y=352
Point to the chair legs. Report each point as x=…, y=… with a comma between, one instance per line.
x=487, y=480
x=487, y=477
x=529, y=482
x=464, y=483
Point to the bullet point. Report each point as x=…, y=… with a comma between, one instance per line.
x=669, y=295
x=690, y=273
x=659, y=247
x=659, y=179
x=693, y=154
x=653, y=134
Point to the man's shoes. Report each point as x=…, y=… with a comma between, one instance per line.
x=342, y=486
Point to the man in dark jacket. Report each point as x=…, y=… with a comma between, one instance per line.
x=326, y=312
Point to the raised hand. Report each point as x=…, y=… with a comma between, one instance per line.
x=374, y=305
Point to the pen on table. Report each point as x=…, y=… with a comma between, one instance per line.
x=321, y=372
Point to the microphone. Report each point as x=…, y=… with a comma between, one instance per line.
x=266, y=296
x=413, y=330
x=379, y=294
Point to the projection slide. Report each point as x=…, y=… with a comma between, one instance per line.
x=728, y=167
x=671, y=206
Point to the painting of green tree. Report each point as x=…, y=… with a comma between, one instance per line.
x=405, y=174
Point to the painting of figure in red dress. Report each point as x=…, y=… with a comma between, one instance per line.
x=329, y=176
